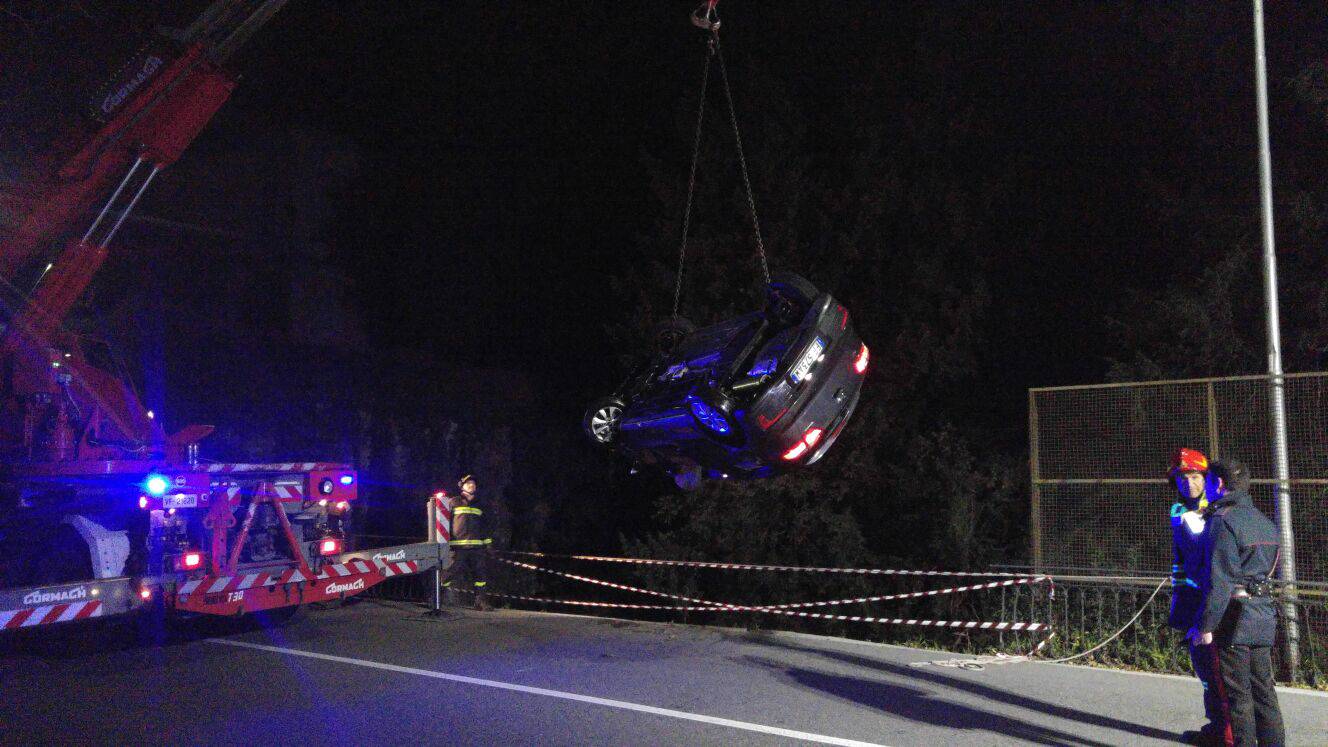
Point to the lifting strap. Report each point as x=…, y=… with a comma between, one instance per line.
x=705, y=17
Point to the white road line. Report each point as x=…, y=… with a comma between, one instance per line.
x=622, y=704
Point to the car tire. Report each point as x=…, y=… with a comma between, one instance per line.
x=788, y=297
x=601, y=420
x=670, y=332
x=717, y=405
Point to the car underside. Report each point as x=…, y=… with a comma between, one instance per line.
x=751, y=396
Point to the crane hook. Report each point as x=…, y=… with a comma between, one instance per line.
x=704, y=16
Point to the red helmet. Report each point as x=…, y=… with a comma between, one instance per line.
x=1188, y=460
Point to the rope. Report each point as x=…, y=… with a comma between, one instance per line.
x=691, y=179
x=981, y=662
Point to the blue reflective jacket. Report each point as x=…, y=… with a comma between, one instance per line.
x=1191, y=546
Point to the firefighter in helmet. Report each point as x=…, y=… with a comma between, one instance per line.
x=1196, y=488
x=470, y=544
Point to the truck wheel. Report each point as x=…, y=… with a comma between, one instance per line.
x=69, y=559
x=602, y=419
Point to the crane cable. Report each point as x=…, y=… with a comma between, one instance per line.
x=704, y=17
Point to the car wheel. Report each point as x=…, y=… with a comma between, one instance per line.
x=714, y=412
x=602, y=419
x=789, y=296
x=670, y=332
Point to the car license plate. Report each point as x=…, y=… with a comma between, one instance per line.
x=179, y=501
x=809, y=358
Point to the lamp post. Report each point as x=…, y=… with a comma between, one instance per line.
x=1277, y=401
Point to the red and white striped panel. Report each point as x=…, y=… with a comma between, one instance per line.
x=220, y=584
x=51, y=613
x=442, y=517
x=288, y=490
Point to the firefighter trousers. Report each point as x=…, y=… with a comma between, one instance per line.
x=468, y=571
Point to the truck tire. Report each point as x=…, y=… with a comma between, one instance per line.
x=67, y=561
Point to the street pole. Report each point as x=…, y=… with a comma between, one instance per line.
x=1277, y=399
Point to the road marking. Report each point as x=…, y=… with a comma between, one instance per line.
x=621, y=704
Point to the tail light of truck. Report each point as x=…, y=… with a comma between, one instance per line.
x=145, y=593
x=190, y=560
x=329, y=546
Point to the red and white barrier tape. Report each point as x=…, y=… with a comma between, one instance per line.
x=788, y=609
x=755, y=567
x=622, y=587
x=952, y=624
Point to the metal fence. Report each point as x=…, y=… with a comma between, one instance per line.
x=1100, y=497
x=1099, y=455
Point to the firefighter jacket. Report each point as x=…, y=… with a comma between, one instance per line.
x=1239, y=608
x=468, y=525
x=1189, y=567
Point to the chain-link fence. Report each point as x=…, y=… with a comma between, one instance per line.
x=1099, y=454
x=1100, y=499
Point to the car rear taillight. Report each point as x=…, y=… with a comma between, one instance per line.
x=329, y=546
x=145, y=593
x=798, y=450
x=809, y=439
x=189, y=561
x=860, y=363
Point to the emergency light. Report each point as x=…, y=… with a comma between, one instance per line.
x=156, y=485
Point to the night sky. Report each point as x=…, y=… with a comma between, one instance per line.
x=493, y=156
x=501, y=146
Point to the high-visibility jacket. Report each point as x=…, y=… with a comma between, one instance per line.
x=1190, y=547
x=468, y=525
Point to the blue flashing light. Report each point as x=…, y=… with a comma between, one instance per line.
x=347, y=479
x=711, y=418
x=156, y=485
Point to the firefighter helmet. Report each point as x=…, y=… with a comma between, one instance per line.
x=1188, y=460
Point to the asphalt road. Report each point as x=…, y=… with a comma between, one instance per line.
x=383, y=673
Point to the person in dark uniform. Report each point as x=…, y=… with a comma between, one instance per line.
x=1189, y=577
x=470, y=544
x=1239, y=617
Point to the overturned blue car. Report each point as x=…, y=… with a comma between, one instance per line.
x=749, y=397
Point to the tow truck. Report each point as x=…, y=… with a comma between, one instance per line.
x=103, y=513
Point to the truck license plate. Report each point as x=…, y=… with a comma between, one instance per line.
x=179, y=501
